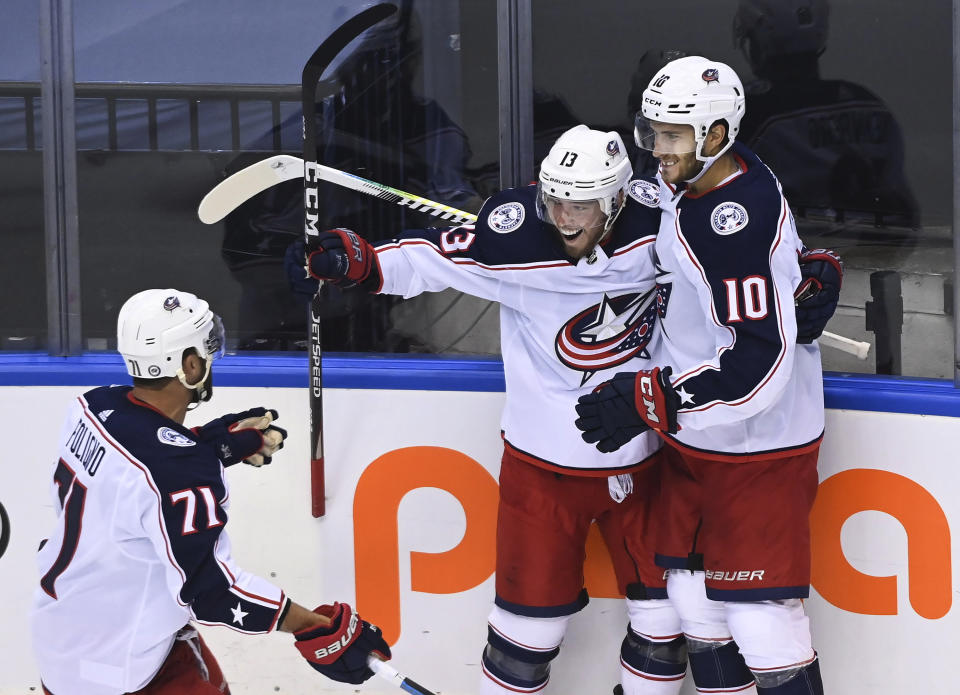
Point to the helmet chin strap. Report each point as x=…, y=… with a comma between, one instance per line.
x=707, y=161
x=201, y=394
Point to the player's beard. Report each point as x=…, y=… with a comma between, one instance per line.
x=676, y=169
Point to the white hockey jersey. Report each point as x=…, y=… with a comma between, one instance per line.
x=138, y=551
x=726, y=272
x=566, y=327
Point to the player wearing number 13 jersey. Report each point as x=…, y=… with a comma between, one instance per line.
x=140, y=551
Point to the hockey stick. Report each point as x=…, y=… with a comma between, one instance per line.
x=857, y=348
x=388, y=672
x=310, y=78
x=235, y=190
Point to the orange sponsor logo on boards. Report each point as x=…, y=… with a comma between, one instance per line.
x=387, y=479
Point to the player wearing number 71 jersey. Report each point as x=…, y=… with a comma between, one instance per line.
x=140, y=551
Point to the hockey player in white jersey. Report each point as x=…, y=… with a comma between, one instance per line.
x=569, y=260
x=140, y=550
x=737, y=400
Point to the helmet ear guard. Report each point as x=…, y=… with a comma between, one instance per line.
x=585, y=165
x=156, y=326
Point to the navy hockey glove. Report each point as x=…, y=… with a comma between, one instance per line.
x=249, y=436
x=343, y=258
x=340, y=651
x=626, y=406
x=821, y=276
x=302, y=285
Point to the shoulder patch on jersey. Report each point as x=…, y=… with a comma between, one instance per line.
x=173, y=438
x=644, y=192
x=729, y=218
x=505, y=218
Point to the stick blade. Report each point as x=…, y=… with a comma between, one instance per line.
x=235, y=190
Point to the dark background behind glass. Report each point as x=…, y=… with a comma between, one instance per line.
x=172, y=96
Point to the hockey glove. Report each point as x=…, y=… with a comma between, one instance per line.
x=341, y=257
x=626, y=406
x=821, y=272
x=249, y=436
x=340, y=651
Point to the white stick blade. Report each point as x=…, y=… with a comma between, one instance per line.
x=235, y=190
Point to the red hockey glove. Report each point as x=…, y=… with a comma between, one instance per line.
x=249, y=436
x=340, y=651
x=342, y=257
x=657, y=400
x=821, y=272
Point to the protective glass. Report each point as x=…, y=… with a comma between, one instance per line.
x=663, y=138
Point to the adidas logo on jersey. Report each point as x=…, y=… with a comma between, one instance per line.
x=104, y=414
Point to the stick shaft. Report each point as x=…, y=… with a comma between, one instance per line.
x=310, y=77
x=388, y=672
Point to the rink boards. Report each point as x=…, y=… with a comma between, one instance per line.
x=412, y=456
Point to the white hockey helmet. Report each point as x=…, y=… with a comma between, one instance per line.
x=585, y=165
x=763, y=29
x=692, y=91
x=154, y=328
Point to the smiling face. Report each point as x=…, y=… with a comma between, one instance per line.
x=580, y=223
x=675, y=147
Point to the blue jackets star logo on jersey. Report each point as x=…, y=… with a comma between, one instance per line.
x=607, y=334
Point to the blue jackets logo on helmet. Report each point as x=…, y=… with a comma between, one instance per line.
x=171, y=303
